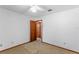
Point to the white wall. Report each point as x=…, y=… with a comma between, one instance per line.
x=14, y=29
x=62, y=29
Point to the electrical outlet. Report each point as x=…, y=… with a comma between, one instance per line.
x=64, y=43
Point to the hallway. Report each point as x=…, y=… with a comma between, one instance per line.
x=36, y=47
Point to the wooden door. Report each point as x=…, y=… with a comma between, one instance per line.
x=32, y=31
x=38, y=30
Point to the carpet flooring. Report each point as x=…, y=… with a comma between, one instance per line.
x=36, y=47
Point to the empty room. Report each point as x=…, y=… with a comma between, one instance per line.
x=39, y=29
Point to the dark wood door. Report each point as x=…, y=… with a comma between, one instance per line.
x=32, y=31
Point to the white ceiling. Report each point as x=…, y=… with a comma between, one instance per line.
x=24, y=9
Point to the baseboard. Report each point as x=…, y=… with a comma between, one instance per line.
x=14, y=46
x=62, y=48
x=43, y=42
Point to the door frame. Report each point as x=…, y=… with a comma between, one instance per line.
x=41, y=28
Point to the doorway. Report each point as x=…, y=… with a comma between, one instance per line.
x=35, y=30
x=39, y=29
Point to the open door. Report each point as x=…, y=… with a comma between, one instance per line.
x=39, y=29
x=32, y=31
x=35, y=30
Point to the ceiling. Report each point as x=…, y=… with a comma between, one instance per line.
x=24, y=9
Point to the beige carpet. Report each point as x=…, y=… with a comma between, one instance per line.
x=36, y=47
